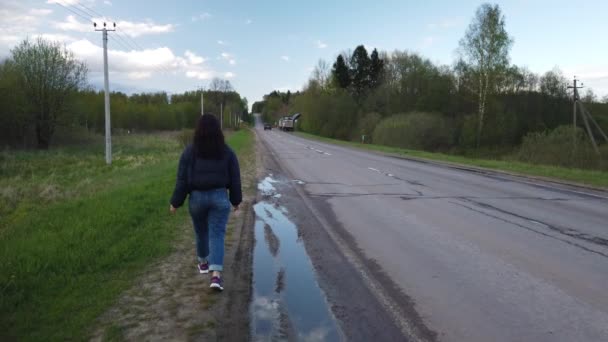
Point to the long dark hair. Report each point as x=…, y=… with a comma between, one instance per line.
x=208, y=138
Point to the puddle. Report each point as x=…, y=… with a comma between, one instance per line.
x=266, y=187
x=287, y=301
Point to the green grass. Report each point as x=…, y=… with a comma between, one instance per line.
x=75, y=233
x=114, y=333
x=586, y=177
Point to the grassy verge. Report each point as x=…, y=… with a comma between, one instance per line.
x=586, y=177
x=74, y=233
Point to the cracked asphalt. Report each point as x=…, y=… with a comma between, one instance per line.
x=472, y=256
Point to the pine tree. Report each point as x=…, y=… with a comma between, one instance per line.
x=377, y=70
x=361, y=70
x=341, y=73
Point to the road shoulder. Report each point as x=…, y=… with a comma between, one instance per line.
x=171, y=301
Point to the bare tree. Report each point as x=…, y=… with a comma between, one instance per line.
x=485, y=47
x=220, y=89
x=321, y=73
x=553, y=83
x=48, y=74
x=589, y=96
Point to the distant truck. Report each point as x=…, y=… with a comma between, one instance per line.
x=287, y=123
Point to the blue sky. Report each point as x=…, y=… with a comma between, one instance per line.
x=265, y=45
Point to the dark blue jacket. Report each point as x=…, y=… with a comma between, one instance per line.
x=207, y=174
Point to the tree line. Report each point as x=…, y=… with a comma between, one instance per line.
x=44, y=96
x=480, y=104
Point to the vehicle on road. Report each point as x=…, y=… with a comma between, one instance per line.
x=287, y=123
x=267, y=126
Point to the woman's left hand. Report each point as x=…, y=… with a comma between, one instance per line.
x=172, y=209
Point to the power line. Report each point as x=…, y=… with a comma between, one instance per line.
x=69, y=9
x=125, y=38
x=121, y=36
x=91, y=10
x=118, y=42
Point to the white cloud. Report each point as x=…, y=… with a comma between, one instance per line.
x=141, y=64
x=201, y=75
x=139, y=75
x=132, y=29
x=285, y=58
x=193, y=58
x=57, y=37
x=9, y=40
x=17, y=22
x=40, y=12
x=107, y=3
x=221, y=42
x=248, y=21
x=139, y=29
x=321, y=45
x=229, y=75
x=592, y=76
x=228, y=57
x=63, y=2
x=72, y=24
x=201, y=17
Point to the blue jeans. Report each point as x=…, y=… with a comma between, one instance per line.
x=210, y=210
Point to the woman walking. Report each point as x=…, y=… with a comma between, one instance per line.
x=206, y=169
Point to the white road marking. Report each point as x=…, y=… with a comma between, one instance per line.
x=376, y=170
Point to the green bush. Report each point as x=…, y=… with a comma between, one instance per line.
x=416, y=130
x=367, y=125
x=330, y=115
x=555, y=147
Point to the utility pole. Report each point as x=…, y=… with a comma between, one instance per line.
x=586, y=116
x=576, y=98
x=106, y=85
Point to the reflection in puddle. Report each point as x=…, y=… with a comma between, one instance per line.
x=287, y=301
x=266, y=187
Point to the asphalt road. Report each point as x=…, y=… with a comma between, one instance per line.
x=484, y=257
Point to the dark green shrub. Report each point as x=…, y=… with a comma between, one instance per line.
x=416, y=130
x=556, y=147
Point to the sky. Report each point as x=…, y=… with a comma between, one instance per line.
x=266, y=45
